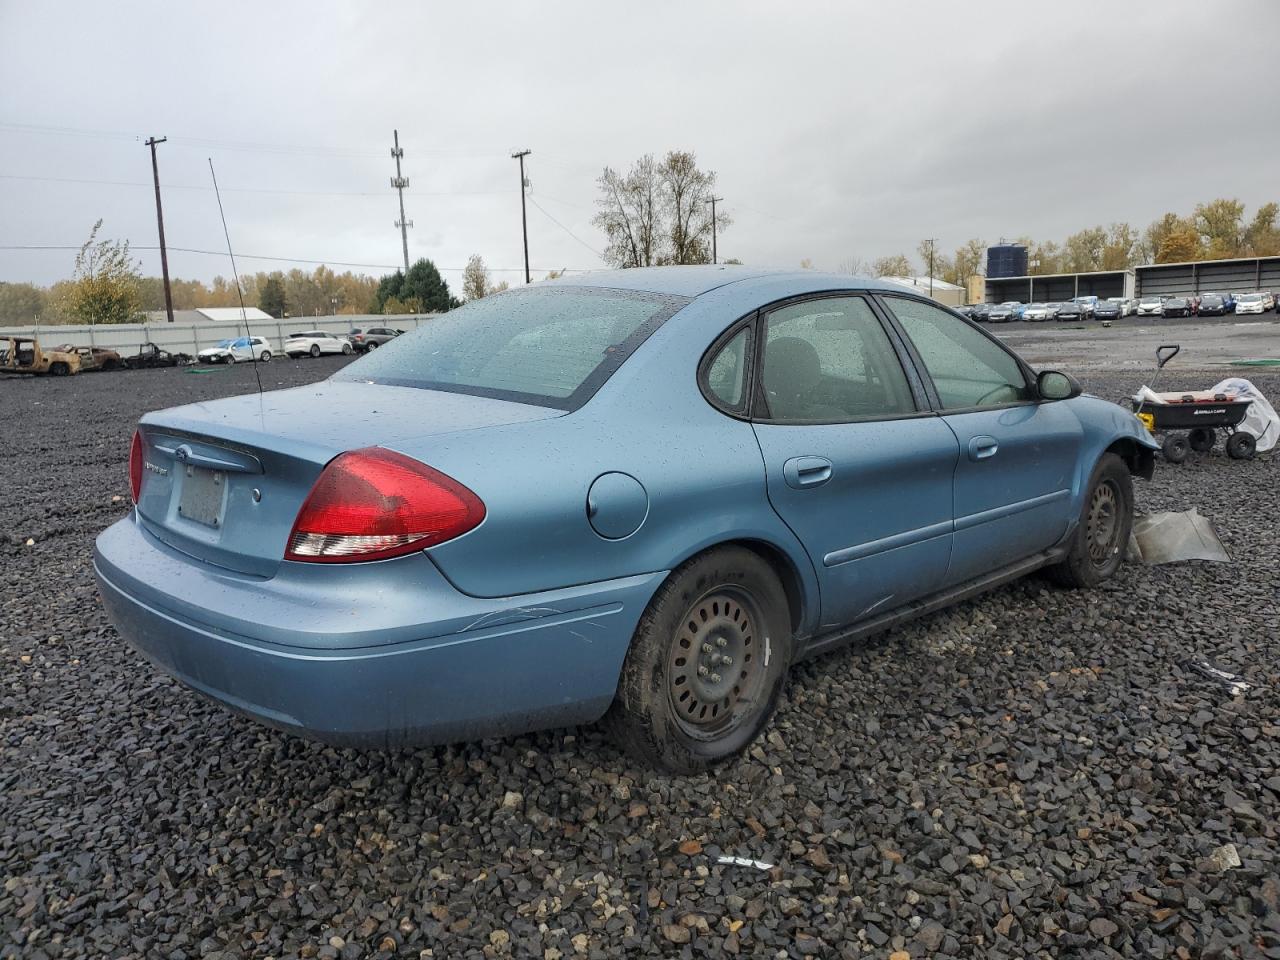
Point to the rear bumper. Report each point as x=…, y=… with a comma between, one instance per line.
x=414, y=662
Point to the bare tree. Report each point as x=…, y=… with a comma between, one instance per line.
x=895, y=266
x=475, y=279
x=658, y=213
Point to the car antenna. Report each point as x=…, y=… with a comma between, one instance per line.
x=253, y=354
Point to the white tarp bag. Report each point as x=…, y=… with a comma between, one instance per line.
x=1261, y=420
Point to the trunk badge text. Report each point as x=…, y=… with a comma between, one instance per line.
x=163, y=471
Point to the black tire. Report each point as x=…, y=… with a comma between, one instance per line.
x=1242, y=445
x=59, y=369
x=265, y=356
x=371, y=345
x=1102, y=535
x=346, y=350
x=315, y=351
x=1201, y=439
x=674, y=684
x=1175, y=448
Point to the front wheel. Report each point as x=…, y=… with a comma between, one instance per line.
x=346, y=350
x=371, y=345
x=265, y=356
x=1098, y=545
x=315, y=350
x=1201, y=439
x=1175, y=448
x=706, y=665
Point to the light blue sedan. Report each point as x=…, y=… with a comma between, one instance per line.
x=639, y=495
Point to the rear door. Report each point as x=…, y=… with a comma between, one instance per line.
x=1013, y=481
x=855, y=463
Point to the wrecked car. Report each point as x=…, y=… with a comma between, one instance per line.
x=150, y=356
x=93, y=358
x=25, y=355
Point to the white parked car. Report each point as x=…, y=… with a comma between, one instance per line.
x=315, y=342
x=1250, y=303
x=1039, y=311
x=1151, y=307
x=1127, y=306
x=236, y=351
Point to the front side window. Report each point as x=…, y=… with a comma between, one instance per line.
x=968, y=369
x=830, y=360
x=552, y=346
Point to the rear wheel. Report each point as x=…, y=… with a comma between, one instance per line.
x=1098, y=546
x=265, y=356
x=371, y=345
x=1175, y=448
x=706, y=665
x=59, y=369
x=1241, y=445
x=346, y=349
x=1201, y=439
x=315, y=350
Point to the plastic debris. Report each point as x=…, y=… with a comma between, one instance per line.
x=1171, y=537
x=1234, y=683
x=744, y=862
x=1261, y=420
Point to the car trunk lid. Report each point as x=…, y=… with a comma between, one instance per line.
x=223, y=480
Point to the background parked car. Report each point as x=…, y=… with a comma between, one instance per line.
x=93, y=358
x=1070, y=310
x=1107, y=310
x=1250, y=303
x=1003, y=312
x=1087, y=303
x=149, y=355
x=1268, y=300
x=1230, y=299
x=1151, y=307
x=315, y=342
x=371, y=338
x=236, y=351
x=1037, y=311
x=1176, y=307
x=1212, y=305
x=980, y=312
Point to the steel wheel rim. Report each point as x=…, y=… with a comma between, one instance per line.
x=1104, y=522
x=716, y=667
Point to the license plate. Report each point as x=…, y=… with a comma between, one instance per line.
x=202, y=492
x=1148, y=421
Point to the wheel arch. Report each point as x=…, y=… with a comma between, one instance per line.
x=1140, y=460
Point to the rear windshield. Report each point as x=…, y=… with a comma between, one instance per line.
x=551, y=346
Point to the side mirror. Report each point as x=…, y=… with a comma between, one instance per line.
x=1052, y=385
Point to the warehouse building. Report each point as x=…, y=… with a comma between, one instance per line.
x=1242, y=275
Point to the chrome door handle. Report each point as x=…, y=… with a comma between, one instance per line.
x=801, y=472
x=980, y=448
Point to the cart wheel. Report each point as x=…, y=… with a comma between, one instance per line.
x=1201, y=439
x=1175, y=448
x=1241, y=445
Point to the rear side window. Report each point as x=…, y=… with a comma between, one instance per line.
x=967, y=368
x=727, y=373
x=829, y=360
x=552, y=346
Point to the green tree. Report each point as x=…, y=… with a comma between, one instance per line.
x=1119, y=249
x=421, y=290
x=105, y=285
x=1221, y=227
x=1262, y=237
x=21, y=303
x=271, y=296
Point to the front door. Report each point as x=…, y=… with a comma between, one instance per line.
x=1013, y=482
x=853, y=466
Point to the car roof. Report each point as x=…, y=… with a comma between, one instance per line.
x=694, y=281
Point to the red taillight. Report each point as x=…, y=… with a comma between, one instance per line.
x=372, y=504
x=135, y=466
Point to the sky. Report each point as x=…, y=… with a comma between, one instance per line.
x=837, y=131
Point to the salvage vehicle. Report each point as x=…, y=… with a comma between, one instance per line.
x=236, y=351
x=526, y=487
x=150, y=356
x=315, y=342
x=1107, y=310
x=1176, y=307
x=93, y=358
x=25, y=355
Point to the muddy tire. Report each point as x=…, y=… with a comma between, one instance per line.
x=1102, y=533
x=706, y=665
x=59, y=369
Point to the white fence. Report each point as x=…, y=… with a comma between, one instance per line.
x=193, y=337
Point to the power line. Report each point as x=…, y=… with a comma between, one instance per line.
x=566, y=229
x=251, y=256
x=264, y=190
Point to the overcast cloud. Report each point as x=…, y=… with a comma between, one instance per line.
x=837, y=130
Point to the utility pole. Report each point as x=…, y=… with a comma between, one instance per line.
x=524, y=219
x=715, y=257
x=164, y=254
x=398, y=183
x=932, y=242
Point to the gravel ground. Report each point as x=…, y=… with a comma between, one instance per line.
x=1034, y=773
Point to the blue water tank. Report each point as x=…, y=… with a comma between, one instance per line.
x=1006, y=260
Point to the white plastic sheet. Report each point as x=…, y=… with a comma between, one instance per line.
x=1261, y=420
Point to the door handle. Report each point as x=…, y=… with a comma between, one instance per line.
x=801, y=472
x=980, y=448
